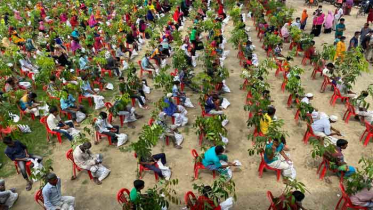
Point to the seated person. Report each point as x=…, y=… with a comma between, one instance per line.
x=150, y=161
x=87, y=89
x=213, y=158
x=171, y=108
x=361, y=108
x=169, y=131
x=52, y=87
x=278, y=50
x=322, y=128
x=55, y=123
x=84, y=159
x=27, y=66
x=83, y=61
x=157, y=55
x=121, y=51
x=145, y=63
x=135, y=193
x=248, y=50
x=205, y=200
x=16, y=151
x=29, y=104
x=134, y=90
x=104, y=127
x=7, y=197
x=307, y=98
x=345, y=89
x=212, y=105
x=311, y=51
x=185, y=77
x=53, y=200
x=68, y=104
x=11, y=84
x=363, y=198
x=266, y=120
x=177, y=93
x=127, y=110
x=338, y=159
x=291, y=202
x=112, y=64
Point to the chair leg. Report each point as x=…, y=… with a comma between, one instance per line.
x=278, y=174
x=361, y=138
x=323, y=172
x=59, y=138
x=348, y=117
x=339, y=202
x=367, y=139
x=196, y=173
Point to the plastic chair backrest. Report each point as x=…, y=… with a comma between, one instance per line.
x=121, y=197
x=151, y=121
x=43, y=121
x=270, y=198
x=336, y=91
x=344, y=194
x=108, y=105
x=188, y=201
x=195, y=154
x=69, y=155
x=309, y=127
x=368, y=127
x=39, y=198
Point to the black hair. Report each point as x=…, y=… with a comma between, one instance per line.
x=121, y=78
x=271, y=110
x=357, y=33
x=52, y=109
x=7, y=140
x=331, y=65
x=298, y=195
x=206, y=191
x=364, y=93
x=176, y=82
x=341, y=142
x=138, y=184
x=219, y=149
x=32, y=95
x=103, y=115
x=342, y=19
x=52, y=78
x=85, y=76
x=277, y=140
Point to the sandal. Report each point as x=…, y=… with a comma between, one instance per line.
x=29, y=186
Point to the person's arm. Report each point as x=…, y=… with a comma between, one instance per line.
x=284, y=155
x=336, y=132
x=47, y=203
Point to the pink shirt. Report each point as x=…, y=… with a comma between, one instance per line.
x=362, y=197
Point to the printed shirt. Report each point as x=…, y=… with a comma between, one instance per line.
x=278, y=150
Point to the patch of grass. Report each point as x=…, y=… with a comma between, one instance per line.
x=85, y=182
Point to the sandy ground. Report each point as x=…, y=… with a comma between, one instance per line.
x=251, y=190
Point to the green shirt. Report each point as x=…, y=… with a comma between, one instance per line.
x=338, y=32
x=134, y=195
x=193, y=35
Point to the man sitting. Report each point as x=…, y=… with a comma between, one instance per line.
x=363, y=198
x=53, y=199
x=135, y=193
x=17, y=151
x=29, y=104
x=307, y=98
x=84, y=159
x=267, y=119
x=345, y=89
x=275, y=157
x=212, y=105
x=68, y=104
x=361, y=108
x=291, y=202
x=215, y=160
x=169, y=131
x=55, y=123
x=104, y=127
x=205, y=200
x=338, y=159
x=150, y=161
x=7, y=197
x=322, y=128
x=52, y=87
x=146, y=65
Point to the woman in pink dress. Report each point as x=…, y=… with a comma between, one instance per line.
x=328, y=23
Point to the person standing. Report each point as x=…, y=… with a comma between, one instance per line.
x=364, y=31
x=340, y=28
x=354, y=41
x=303, y=21
x=53, y=199
x=328, y=23
x=338, y=15
x=341, y=49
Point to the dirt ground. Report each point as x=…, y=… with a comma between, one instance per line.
x=251, y=190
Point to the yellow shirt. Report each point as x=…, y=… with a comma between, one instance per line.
x=265, y=122
x=341, y=48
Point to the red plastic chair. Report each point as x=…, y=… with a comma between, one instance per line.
x=323, y=167
x=122, y=196
x=45, y=88
x=368, y=131
x=143, y=168
x=204, y=114
x=28, y=167
x=270, y=198
x=284, y=82
x=347, y=201
x=69, y=156
x=305, y=58
x=257, y=132
x=39, y=198
x=349, y=112
x=279, y=67
x=199, y=165
x=89, y=99
x=177, y=100
x=325, y=83
x=263, y=165
x=317, y=69
x=104, y=71
x=43, y=121
x=65, y=113
x=143, y=70
x=296, y=117
x=337, y=95
x=100, y=135
x=108, y=105
x=191, y=200
x=23, y=113
x=308, y=134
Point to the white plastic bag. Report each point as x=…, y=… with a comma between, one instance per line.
x=74, y=132
x=227, y=204
x=225, y=88
x=179, y=138
x=37, y=168
x=141, y=41
x=164, y=62
x=80, y=116
x=188, y=103
x=122, y=139
x=166, y=172
x=26, y=85
x=99, y=101
x=225, y=103
x=109, y=86
x=146, y=89
x=24, y=128
x=224, y=139
x=125, y=65
x=224, y=123
x=68, y=23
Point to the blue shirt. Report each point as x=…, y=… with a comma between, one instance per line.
x=52, y=195
x=209, y=105
x=175, y=91
x=85, y=87
x=83, y=61
x=144, y=63
x=278, y=149
x=68, y=102
x=171, y=108
x=18, y=151
x=210, y=158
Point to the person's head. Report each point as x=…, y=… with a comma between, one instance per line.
x=53, y=110
x=333, y=119
x=276, y=142
x=366, y=25
x=364, y=93
x=357, y=34
x=271, y=111
x=52, y=179
x=103, y=115
x=85, y=77
x=177, y=83
x=8, y=141
x=10, y=81
x=52, y=78
x=297, y=19
x=215, y=97
x=2, y=184
x=86, y=146
x=309, y=96
x=313, y=43
x=147, y=55
x=266, y=93
x=32, y=96
x=342, y=20
x=330, y=66
x=121, y=79
x=342, y=143
x=343, y=38
x=219, y=150
x=206, y=191
x=139, y=184
x=298, y=196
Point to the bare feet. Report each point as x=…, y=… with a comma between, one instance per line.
x=98, y=182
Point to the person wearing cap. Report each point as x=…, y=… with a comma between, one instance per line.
x=354, y=41
x=340, y=49
x=7, y=197
x=212, y=105
x=308, y=97
x=322, y=128
x=16, y=151
x=53, y=199
x=84, y=159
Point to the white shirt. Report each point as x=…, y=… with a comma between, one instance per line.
x=305, y=100
x=52, y=121
x=322, y=125
x=103, y=125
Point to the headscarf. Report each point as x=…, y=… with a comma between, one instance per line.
x=285, y=30
x=320, y=19
x=304, y=16
x=92, y=21
x=329, y=20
